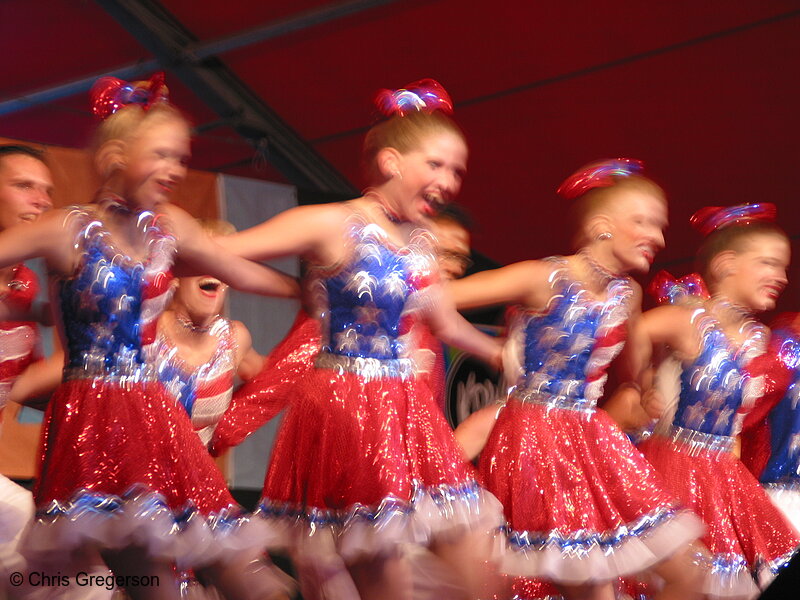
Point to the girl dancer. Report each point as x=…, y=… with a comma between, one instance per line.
x=364, y=460
x=25, y=190
x=743, y=261
x=583, y=506
x=121, y=469
x=198, y=352
x=771, y=436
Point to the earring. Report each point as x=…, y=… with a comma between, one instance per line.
x=604, y=236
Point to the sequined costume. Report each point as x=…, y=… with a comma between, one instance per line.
x=771, y=435
x=364, y=459
x=693, y=450
x=120, y=464
x=19, y=340
x=19, y=346
x=203, y=390
x=265, y=395
x=582, y=504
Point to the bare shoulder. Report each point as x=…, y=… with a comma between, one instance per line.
x=177, y=218
x=241, y=335
x=317, y=214
x=537, y=280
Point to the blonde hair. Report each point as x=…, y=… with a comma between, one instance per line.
x=598, y=199
x=404, y=134
x=736, y=238
x=124, y=124
x=216, y=227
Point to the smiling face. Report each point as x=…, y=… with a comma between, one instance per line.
x=637, y=223
x=755, y=275
x=25, y=189
x=431, y=174
x=156, y=160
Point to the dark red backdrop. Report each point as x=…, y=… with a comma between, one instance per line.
x=707, y=93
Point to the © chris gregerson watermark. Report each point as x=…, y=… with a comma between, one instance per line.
x=82, y=579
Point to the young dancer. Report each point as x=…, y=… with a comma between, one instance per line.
x=743, y=261
x=121, y=469
x=771, y=432
x=26, y=187
x=198, y=352
x=583, y=506
x=364, y=460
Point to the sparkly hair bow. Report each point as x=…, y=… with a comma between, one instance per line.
x=599, y=174
x=110, y=94
x=425, y=95
x=668, y=290
x=711, y=218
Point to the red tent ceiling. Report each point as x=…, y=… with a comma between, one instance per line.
x=706, y=93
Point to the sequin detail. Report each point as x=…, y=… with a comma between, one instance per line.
x=368, y=368
x=19, y=340
x=111, y=427
x=112, y=303
x=564, y=352
x=364, y=454
x=583, y=542
x=746, y=535
x=204, y=390
x=581, y=502
x=697, y=441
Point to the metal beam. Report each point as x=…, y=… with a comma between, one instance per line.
x=195, y=52
x=163, y=35
x=286, y=26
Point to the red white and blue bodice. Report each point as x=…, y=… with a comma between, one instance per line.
x=204, y=391
x=111, y=304
x=364, y=305
x=563, y=353
x=19, y=340
x=783, y=466
x=716, y=392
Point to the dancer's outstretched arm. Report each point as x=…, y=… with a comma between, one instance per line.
x=200, y=254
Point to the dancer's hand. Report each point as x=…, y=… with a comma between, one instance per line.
x=654, y=403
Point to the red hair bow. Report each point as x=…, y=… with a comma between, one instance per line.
x=712, y=218
x=110, y=94
x=425, y=95
x=668, y=290
x=599, y=174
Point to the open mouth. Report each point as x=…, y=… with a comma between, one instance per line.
x=165, y=186
x=209, y=285
x=649, y=253
x=434, y=203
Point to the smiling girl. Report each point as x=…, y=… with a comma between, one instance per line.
x=364, y=461
x=743, y=260
x=121, y=471
x=582, y=505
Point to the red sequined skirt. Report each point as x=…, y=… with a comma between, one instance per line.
x=121, y=466
x=746, y=534
x=270, y=391
x=581, y=502
x=367, y=462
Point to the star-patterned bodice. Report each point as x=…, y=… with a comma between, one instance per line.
x=716, y=392
x=564, y=351
x=363, y=305
x=205, y=390
x=111, y=303
x=784, y=419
